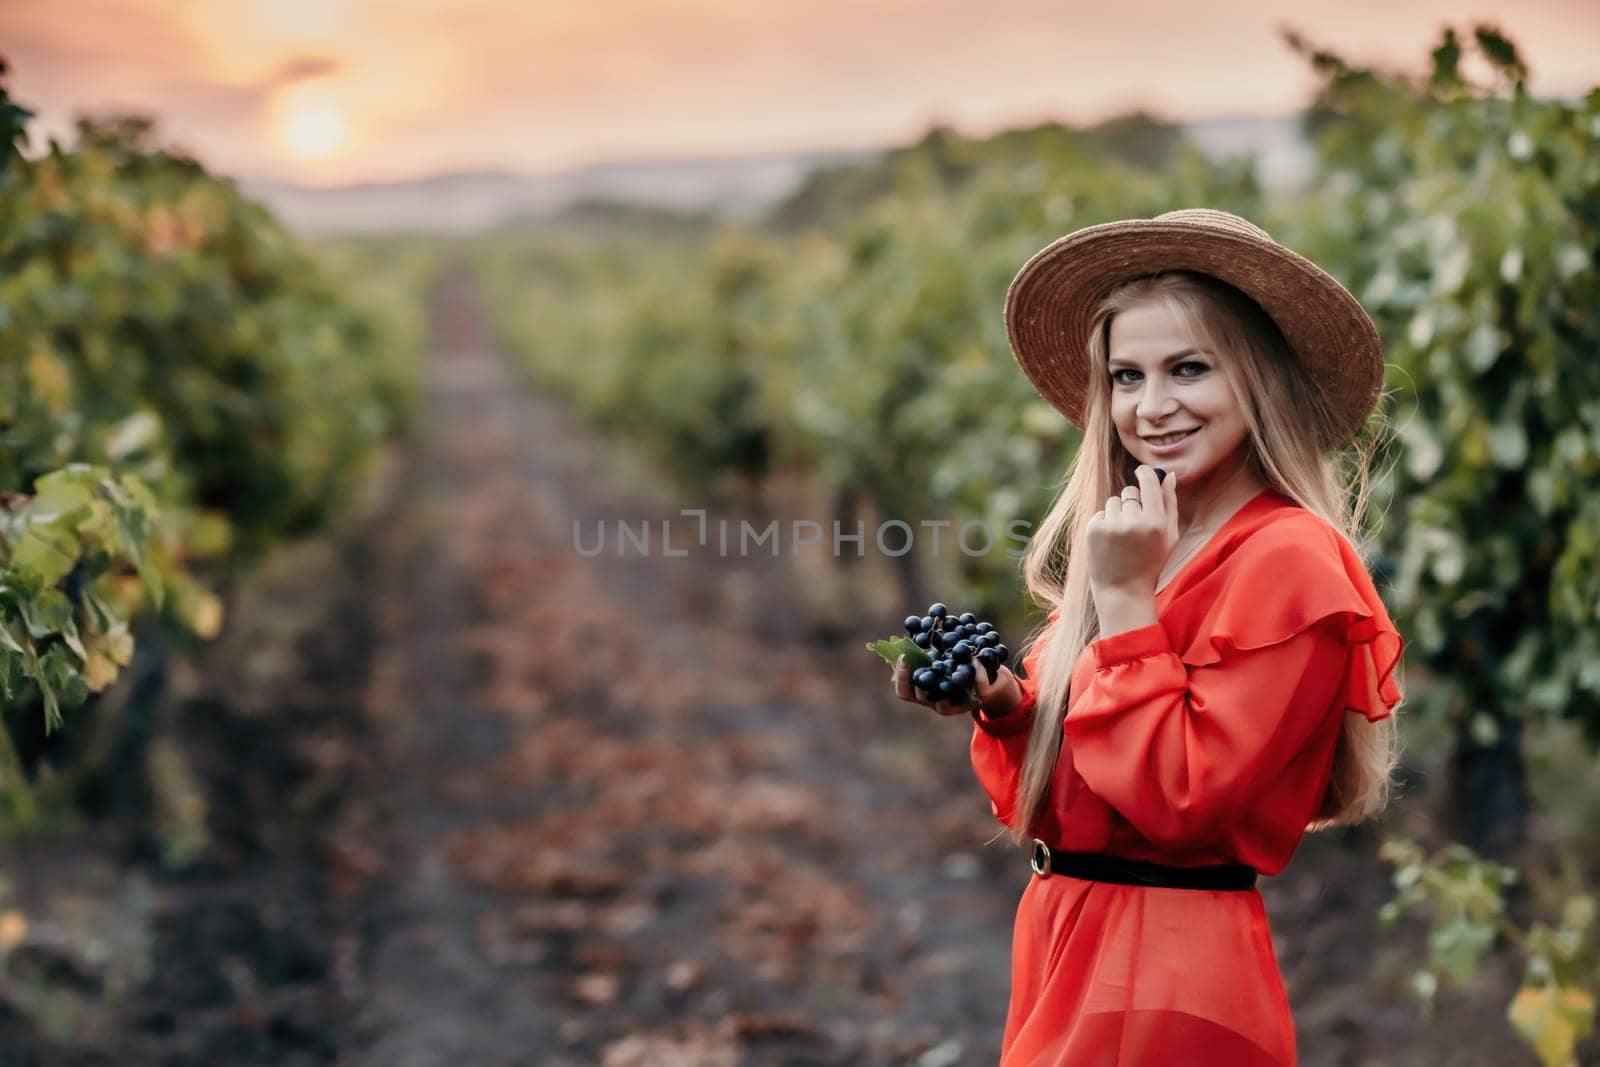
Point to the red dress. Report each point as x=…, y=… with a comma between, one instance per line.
x=1205, y=737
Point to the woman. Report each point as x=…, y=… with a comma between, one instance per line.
x=1215, y=677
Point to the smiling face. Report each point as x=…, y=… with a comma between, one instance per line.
x=1163, y=380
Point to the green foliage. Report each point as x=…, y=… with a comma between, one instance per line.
x=606, y=319
x=1467, y=218
x=387, y=280
x=13, y=130
x=831, y=196
x=1463, y=892
x=180, y=385
x=59, y=545
x=1462, y=897
x=892, y=650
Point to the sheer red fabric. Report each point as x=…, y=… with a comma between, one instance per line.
x=1205, y=737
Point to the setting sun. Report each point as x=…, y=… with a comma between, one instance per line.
x=309, y=125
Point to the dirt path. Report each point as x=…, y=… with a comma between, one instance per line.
x=629, y=817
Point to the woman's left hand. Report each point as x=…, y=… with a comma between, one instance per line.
x=1130, y=540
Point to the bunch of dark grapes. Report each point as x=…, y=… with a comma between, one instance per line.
x=959, y=645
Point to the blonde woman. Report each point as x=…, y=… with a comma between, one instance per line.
x=1215, y=677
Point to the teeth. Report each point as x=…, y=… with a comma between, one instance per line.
x=1170, y=438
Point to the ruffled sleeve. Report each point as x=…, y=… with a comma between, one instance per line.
x=999, y=744
x=1178, y=740
x=1253, y=608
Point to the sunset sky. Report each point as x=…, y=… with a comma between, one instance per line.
x=328, y=91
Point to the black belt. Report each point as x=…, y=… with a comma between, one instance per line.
x=1097, y=867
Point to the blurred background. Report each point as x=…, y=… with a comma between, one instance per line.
x=330, y=332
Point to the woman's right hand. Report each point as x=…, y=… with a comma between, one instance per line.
x=997, y=698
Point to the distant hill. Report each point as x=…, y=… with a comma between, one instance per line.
x=469, y=201
x=734, y=187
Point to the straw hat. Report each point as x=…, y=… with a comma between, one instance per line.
x=1053, y=297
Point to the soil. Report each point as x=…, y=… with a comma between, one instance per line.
x=475, y=798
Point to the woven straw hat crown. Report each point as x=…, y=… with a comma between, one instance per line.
x=1052, y=300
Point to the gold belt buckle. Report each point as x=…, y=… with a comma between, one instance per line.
x=1040, y=860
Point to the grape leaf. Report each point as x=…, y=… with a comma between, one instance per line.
x=891, y=649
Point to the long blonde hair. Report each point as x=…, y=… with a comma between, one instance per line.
x=1282, y=409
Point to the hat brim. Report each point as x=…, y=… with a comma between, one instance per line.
x=1052, y=299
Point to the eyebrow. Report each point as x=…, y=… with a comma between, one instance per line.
x=1115, y=363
